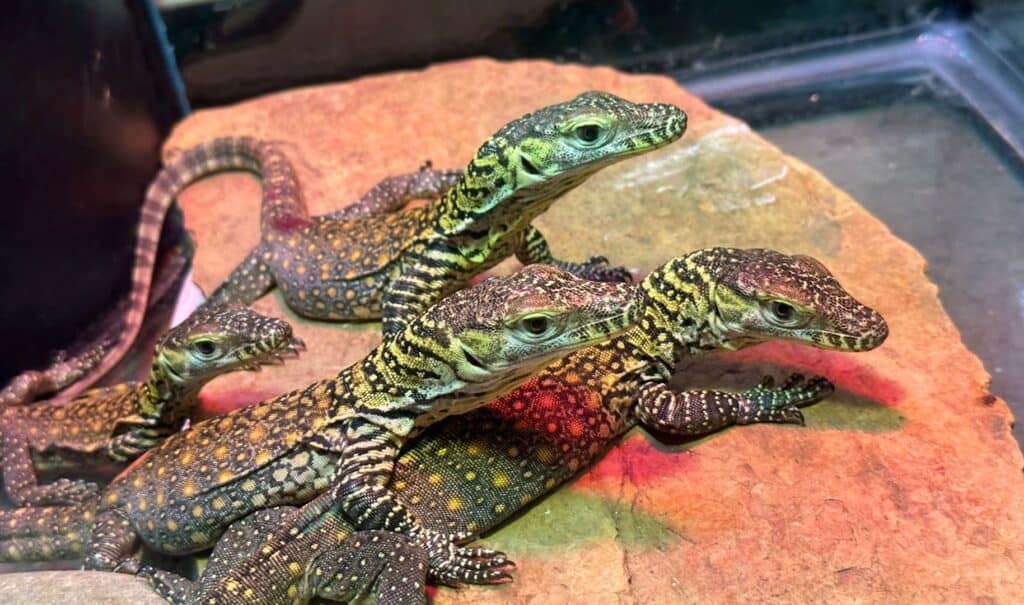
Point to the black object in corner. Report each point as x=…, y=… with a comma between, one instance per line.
x=88, y=94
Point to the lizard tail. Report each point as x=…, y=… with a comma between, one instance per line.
x=229, y=153
x=45, y=534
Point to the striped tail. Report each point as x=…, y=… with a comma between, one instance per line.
x=45, y=534
x=281, y=200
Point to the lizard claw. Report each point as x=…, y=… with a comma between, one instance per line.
x=781, y=404
x=454, y=565
x=597, y=268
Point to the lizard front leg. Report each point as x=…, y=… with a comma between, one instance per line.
x=697, y=412
x=247, y=282
x=394, y=192
x=534, y=249
x=22, y=486
x=132, y=444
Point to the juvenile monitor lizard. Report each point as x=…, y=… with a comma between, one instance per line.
x=393, y=265
x=118, y=423
x=469, y=473
x=341, y=434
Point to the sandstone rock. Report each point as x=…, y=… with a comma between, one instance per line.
x=94, y=588
x=905, y=486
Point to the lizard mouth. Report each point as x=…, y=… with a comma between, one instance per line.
x=290, y=350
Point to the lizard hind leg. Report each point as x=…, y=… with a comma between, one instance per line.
x=22, y=486
x=227, y=565
x=247, y=282
x=394, y=192
x=62, y=371
x=170, y=586
x=392, y=562
x=111, y=544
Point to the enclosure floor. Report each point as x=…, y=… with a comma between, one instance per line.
x=929, y=176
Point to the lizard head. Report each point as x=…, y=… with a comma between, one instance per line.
x=765, y=295
x=217, y=339
x=746, y=296
x=535, y=159
x=499, y=332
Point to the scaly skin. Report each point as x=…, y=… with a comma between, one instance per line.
x=394, y=265
x=470, y=473
x=340, y=435
x=337, y=565
x=118, y=423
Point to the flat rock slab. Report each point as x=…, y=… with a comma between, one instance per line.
x=905, y=486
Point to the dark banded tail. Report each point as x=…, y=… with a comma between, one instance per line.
x=281, y=201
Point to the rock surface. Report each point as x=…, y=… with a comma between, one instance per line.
x=905, y=486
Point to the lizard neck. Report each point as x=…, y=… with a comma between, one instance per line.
x=387, y=384
x=490, y=200
x=164, y=395
x=679, y=310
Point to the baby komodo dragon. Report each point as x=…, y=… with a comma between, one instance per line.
x=343, y=432
x=118, y=423
x=337, y=565
x=396, y=264
x=471, y=472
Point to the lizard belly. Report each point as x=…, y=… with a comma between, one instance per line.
x=179, y=523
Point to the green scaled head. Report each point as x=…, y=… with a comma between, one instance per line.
x=756, y=295
x=532, y=161
x=494, y=335
x=217, y=339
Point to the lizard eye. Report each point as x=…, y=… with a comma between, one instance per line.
x=588, y=133
x=783, y=314
x=206, y=348
x=535, y=325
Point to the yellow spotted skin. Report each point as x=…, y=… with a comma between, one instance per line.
x=470, y=472
x=394, y=265
x=497, y=459
x=520, y=447
x=338, y=437
x=325, y=562
x=116, y=424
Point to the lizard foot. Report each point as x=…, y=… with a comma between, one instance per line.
x=452, y=564
x=769, y=403
x=597, y=268
x=129, y=446
x=61, y=492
